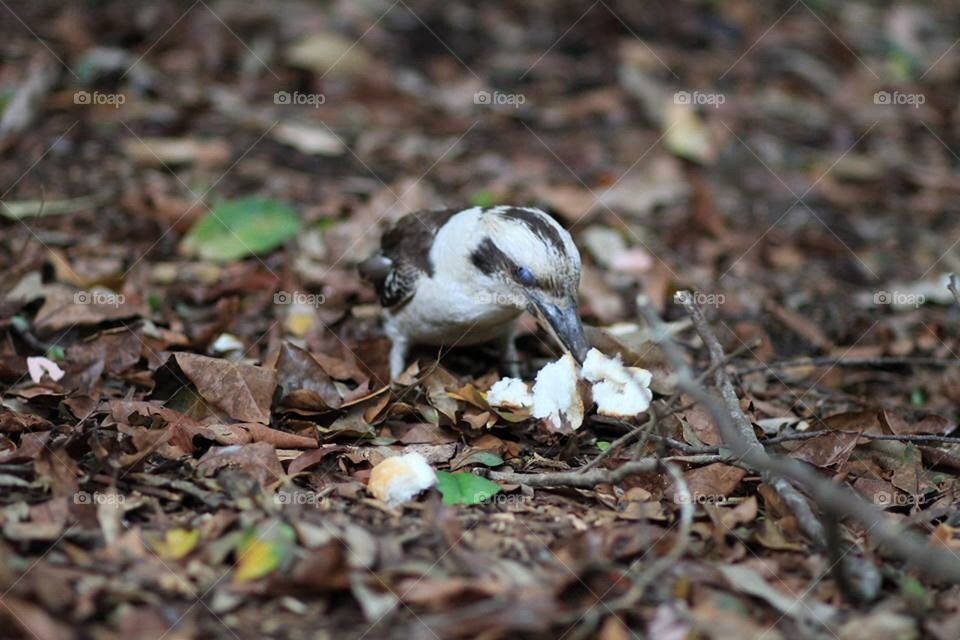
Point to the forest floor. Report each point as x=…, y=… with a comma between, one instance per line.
x=187, y=187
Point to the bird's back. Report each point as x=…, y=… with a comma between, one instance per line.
x=404, y=255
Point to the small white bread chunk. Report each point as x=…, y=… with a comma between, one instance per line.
x=619, y=391
x=38, y=366
x=556, y=398
x=225, y=343
x=397, y=479
x=510, y=393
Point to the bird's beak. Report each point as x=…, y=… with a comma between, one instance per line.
x=563, y=321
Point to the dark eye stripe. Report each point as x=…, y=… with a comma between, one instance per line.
x=488, y=258
x=540, y=224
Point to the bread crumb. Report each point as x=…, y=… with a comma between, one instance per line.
x=618, y=391
x=38, y=366
x=556, y=396
x=398, y=479
x=510, y=393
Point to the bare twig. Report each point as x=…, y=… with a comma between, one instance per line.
x=807, y=435
x=633, y=432
x=695, y=450
x=780, y=471
x=880, y=362
x=645, y=430
x=594, y=477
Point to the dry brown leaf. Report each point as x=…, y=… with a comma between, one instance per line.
x=242, y=391
x=713, y=482
x=258, y=459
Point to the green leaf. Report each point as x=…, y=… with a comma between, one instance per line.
x=482, y=199
x=261, y=551
x=56, y=352
x=917, y=398
x=915, y=593
x=240, y=228
x=465, y=488
x=603, y=445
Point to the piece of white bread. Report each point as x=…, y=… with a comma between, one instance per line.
x=556, y=396
x=619, y=391
x=510, y=393
x=397, y=479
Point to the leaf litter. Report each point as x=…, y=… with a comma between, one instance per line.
x=194, y=384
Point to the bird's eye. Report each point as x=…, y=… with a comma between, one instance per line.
x=525, y=276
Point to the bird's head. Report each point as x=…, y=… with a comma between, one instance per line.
x=530, y=262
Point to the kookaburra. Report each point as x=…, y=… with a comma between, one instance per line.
x=464, y=276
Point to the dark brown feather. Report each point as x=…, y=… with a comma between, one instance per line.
x=404, y=255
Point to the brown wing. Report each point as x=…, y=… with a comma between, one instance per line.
x=404, y=255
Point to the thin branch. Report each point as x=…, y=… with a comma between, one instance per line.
x=633, y=432
x=807, y=435
x=590, y=479
x=881, y=362
x=694, y=450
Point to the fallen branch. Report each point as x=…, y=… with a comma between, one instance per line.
x=840, y=501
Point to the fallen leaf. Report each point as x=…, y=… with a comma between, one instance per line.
x=175, y=543
x=826, y=450
x=157, y=152
x=749, y=581
x=465, y=488
x=240, y=228
x=242, y=391
x=309, y=139
x=258, y=459
x=687, y=135
x=261, y=551
x=327, y=52
x=304, y=381
x=712, y=483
